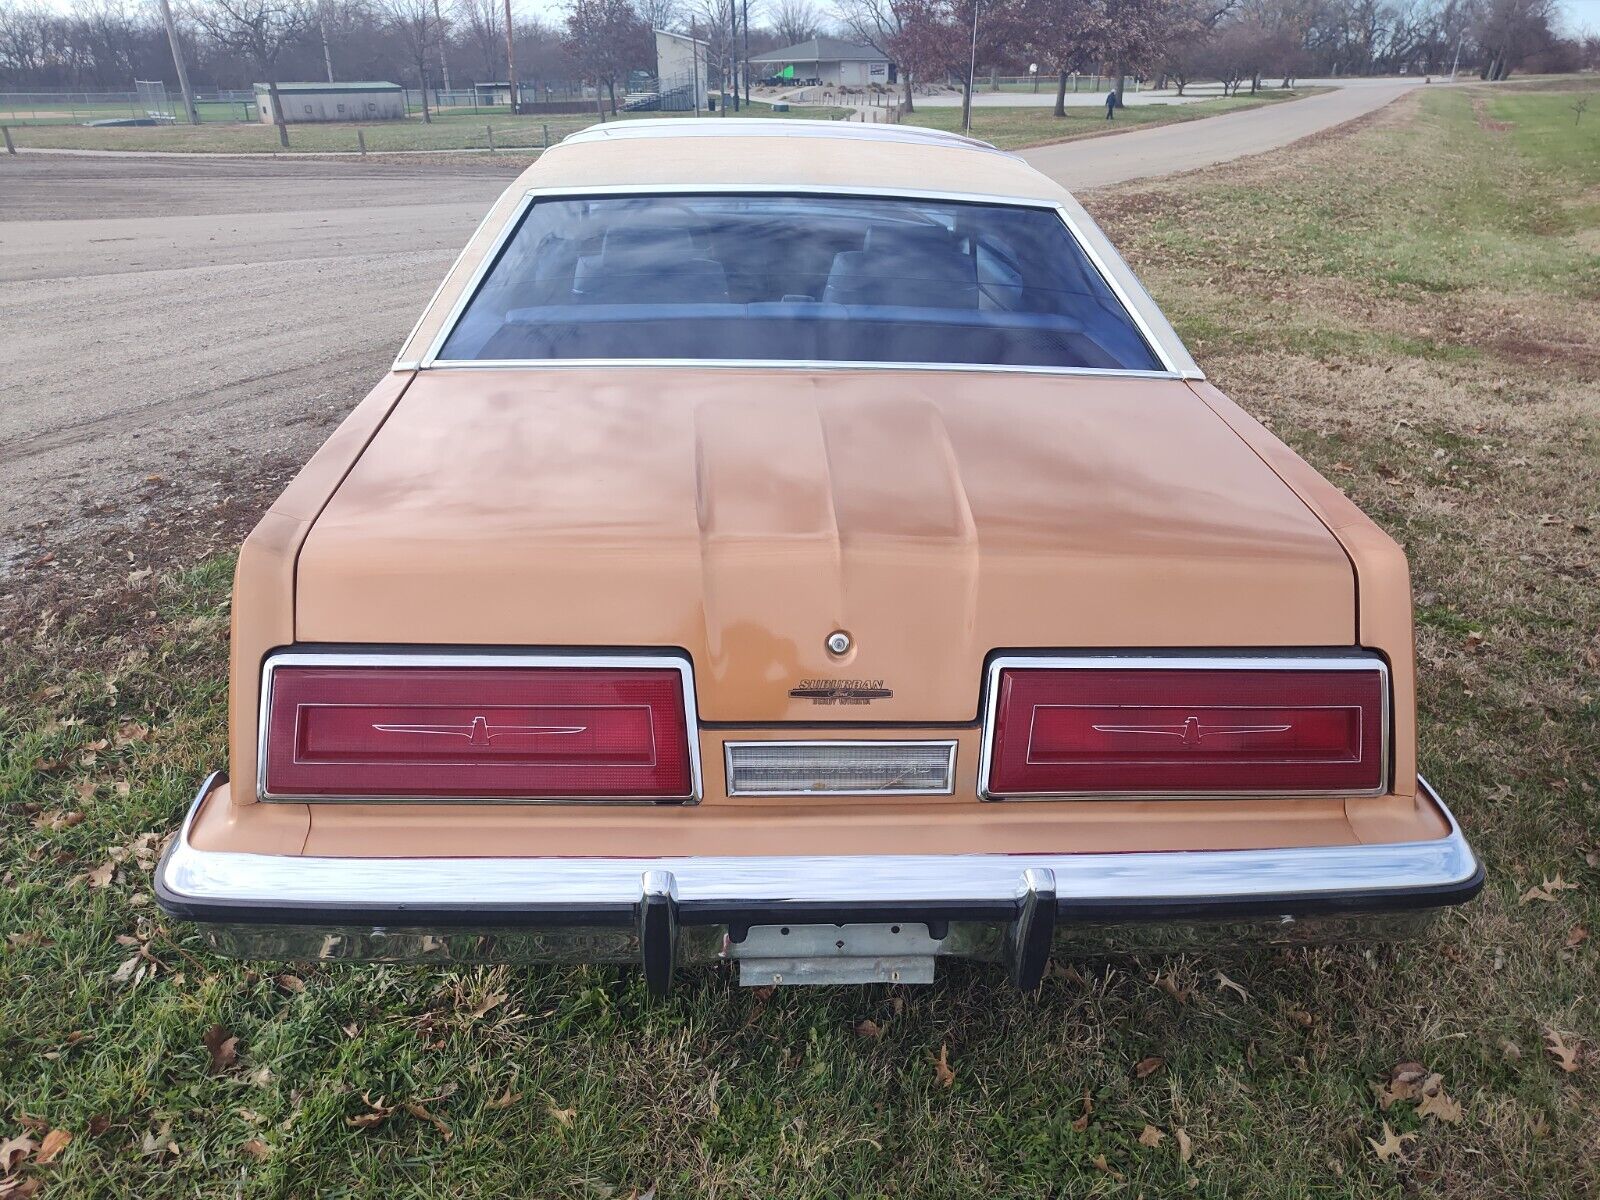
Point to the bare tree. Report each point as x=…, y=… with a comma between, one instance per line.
x=261, y=30
x=890, y=28
x=412, y=23
x=796, y=21
x=607, y=38
x=720, y=20
x=1509, y=31
x=660, y=14
x=484, y=30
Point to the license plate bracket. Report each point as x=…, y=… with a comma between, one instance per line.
x=804, y=955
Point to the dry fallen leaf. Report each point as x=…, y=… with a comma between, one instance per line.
x=1099, y=1163
x=1082, y=1122
x=561, y=1116
x=1566, y=1055
x=1577, y=936
x=224, y=1048
x=1168, y=983
x=422, y=1114
x=1147, y=1067
x=377, y=1112
x=54, y=1143
x=1151, y=1136
x=1510, y=1049
x=14, y=1152
x=505, y=1100
x=51, y=821
x=256, y=1149
x=1392, y=1146
x=130, y=731
x=101, y=876
x=490, y=1001
x=1405, y=1083
x=1546, y=890
x=1441, y=1106
x=942, y=1069
x=291, y=983
x=1224, y=982
x=868, y=1028
x=1185, y=1146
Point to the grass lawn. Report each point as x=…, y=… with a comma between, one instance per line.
x=1414, y=303
x=1014, y=128
x=450, y=130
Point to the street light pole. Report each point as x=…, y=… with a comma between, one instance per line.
x=972, y=71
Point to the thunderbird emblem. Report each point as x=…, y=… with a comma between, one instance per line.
x=1192, y=732
x=480, y=732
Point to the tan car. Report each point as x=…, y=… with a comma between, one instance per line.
x=807, y=544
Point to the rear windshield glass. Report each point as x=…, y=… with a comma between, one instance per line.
x=797, y=278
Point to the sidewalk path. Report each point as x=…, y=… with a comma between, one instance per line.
x=1190, y=145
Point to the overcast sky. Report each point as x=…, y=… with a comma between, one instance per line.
x=1577, y=16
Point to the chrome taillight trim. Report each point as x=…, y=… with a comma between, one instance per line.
x=430, y=658
x=948, y=745
x=1355, y=660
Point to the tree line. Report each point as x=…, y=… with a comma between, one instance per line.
x=106, y=44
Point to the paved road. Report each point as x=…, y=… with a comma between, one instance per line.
x=198, y=318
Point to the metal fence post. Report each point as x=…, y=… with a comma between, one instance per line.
x=361, y=141
x=10, y=145
x=489, y=132
x=546, y=144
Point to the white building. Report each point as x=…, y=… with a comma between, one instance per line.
x=830, y=61
x=305, y=103
x=682, y=72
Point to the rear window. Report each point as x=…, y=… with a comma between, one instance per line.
x=798, y=279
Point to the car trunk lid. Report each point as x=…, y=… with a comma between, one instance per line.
x=744, y=515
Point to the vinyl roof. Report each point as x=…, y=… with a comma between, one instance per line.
x=773, y=153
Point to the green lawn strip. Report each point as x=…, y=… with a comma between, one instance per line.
x=1015, y=128
x=449, y=130
x=568, y=1082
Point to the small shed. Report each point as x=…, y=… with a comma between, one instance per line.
x=827, y=60
x=494, y=93
x=307, y=103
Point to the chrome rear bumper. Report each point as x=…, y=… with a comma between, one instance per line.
x=1016, y=908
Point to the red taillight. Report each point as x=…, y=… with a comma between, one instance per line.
x=1103, y=730
x=477, y=731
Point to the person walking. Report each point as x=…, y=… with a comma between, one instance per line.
x=1111, y=103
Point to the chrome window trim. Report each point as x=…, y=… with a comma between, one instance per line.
x=479, y=885
x=400, y=364
x=429, y=658
x=1158, y=335
x=1266, y=660
x=949, y=744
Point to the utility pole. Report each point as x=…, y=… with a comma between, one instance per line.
x=322, y=26
x=444, y=60
x=511, y=61
x=694, y=62
x=972, y=70
x=177, y=61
